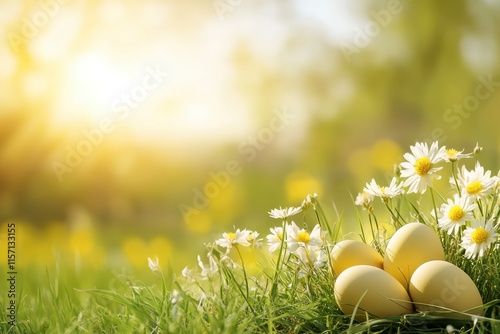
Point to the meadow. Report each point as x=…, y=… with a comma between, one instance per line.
x=283, y=283
x=194, y=166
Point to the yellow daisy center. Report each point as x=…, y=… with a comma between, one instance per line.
x=474, y=187
x=422, y=166
x=479, y=235
x=456, y=213
x=304, y=237
x=231, y=236
x=451, y=152
x=279, y=235
x=382, y=190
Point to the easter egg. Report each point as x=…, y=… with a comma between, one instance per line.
x=373, y=290
x=443, y=284
x=410, y=246
x=348, y=253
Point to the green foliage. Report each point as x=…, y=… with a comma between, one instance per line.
x=228, y=300
x=291, y=292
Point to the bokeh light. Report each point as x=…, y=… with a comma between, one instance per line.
x=147, y=128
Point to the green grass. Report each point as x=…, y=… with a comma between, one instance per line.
x=248, y=290
x=229, y=300
x=220, y=304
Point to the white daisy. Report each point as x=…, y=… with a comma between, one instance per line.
x=451, y=155
x=203, y=296
x=300, y=237
x=284, y=213
x=153, y=264
x=186, y=272
x=319, y=258
x=274, y=239
x=475, y=183
x=455, y=213
x=363, y=199
x=211, y=269
x=393, y=190
x=234, y=238
x=312, y=256
x=175, y=296
x=478, y=238
x=308, y=201
x=253, y=239
x=477, y=149
x=420, y=166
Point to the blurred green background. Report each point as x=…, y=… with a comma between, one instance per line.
x=146, y=128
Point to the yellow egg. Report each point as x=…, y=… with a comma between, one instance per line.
x=410, y=246
x=383, y=295
x=443, y=284
x=348, y=253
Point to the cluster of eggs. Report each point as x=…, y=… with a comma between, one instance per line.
x=412, y=275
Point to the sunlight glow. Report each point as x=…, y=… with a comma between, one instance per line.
x=90, y=84
x=117, y=71
x=93, y=72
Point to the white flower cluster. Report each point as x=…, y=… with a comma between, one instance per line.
x=467, y=222
x=473, y=211
x=468, y=219
x=306, y=247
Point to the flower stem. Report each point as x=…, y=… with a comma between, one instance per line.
x=280, y=259
x=434, y=206
x=395, y=219
x=244, y=270
x=453, y=172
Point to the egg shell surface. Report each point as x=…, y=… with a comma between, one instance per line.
x=349, y=253
x=384, y=297
x=441, y=283
x=409, y=247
